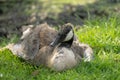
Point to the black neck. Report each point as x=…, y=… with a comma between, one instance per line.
x=67, y=43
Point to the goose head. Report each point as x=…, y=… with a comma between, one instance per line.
x=64, y=37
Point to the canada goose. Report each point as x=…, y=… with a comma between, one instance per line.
x=64, y=57
x=57, y=50
x=58, y=55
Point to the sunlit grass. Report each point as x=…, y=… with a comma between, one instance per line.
x=57, y=6
x=102, y=36
x=74, y=2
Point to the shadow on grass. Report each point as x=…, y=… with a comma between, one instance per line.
x=14, y=14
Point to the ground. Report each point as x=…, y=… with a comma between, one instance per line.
x=14, y=15
x=97, y=23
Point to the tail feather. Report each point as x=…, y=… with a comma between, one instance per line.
x=16, y=49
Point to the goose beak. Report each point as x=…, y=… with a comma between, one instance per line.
x=56, y=41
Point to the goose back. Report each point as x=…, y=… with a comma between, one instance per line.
x=39, y=36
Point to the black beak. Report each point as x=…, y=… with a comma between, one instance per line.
x=56, y=41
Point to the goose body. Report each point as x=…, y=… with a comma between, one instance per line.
x=63, y=59
x=55, y=49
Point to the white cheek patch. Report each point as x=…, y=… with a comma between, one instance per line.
x=69, y=36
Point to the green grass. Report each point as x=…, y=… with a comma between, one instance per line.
x=101, y=35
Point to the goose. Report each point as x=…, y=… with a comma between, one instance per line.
x=58, y=50
x=64, y=57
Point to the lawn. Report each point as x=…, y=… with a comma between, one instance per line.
x=102, y=34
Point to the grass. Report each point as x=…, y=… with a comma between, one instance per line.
x=102, y=36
